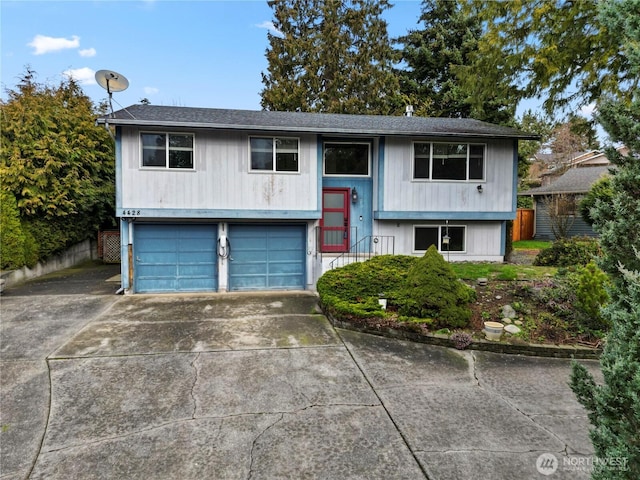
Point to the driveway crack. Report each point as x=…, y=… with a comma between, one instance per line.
x=46, y=425
x=196, y=378
x=255, y=441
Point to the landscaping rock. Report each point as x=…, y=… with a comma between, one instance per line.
x=509, y=312
x=518, y=322
x=512, y=329
x=482, y=282
x=506, y=320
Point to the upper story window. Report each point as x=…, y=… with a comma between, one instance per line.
x=346, y=158
x=274, y=154
x=167, y=150
x=448, y=161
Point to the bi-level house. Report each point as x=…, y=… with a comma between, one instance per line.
x=230, y=200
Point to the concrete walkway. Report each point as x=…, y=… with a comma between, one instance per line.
x=260, y=386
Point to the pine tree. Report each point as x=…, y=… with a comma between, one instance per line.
x=614, y=407
x=432, y=56
x=330, y=56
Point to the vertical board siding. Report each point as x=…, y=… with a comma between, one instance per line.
x=543, y=225
x=401, y=193
x=221, y=178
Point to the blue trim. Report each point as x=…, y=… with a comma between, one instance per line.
x=503, y=238
x=413, y=215
x=218, y=214
x=118, y=152
x=380, y=193
x=514, y=192
x=320, y=169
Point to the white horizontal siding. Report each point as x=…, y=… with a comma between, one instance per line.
x=220, y=180
x=402, y=193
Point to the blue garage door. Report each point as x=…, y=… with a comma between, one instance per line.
x=175, y=258
x=267, y=257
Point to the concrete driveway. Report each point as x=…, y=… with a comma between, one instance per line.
x=261, y=386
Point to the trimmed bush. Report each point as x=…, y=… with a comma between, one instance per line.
x=432, y=290
x=572, y=252
x=355, y=288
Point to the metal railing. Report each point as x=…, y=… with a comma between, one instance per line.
x=364, y=249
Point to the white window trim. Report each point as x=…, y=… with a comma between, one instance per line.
x=444, y=180
x=273, y=153
x=440, y=232
x=166, y=164
x=324, y=163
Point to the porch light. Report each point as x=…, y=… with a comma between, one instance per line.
x=479, y=187
x=354, y=195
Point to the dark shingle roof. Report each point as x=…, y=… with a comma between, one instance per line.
x=329, y=123
x=574, y=180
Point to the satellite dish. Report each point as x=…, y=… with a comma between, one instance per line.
x=111, y=81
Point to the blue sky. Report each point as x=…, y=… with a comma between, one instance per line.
x=180, y=53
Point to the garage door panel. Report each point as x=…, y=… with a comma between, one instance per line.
x=175, y=258
x=283, y=281
x=267, y=257
x=286, y=268
x=251, y=268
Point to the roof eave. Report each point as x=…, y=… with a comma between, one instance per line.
x=302, y=129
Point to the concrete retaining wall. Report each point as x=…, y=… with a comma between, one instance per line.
x=81, y=252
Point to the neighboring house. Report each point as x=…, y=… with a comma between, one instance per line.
x=556, y=168
x=572, y=185
x=228, y=200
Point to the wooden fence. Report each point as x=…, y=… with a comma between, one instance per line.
x=523, y=225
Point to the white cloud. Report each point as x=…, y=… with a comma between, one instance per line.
x=87, y=52
x=268, y=25
x=42, y=44
x=84, y=76
x=151, y=90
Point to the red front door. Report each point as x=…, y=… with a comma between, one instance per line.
x=335, y=220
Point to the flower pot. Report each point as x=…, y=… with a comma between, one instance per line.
x=493, y=330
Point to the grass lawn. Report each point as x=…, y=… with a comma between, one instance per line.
x=500, y=271
x=531, y=244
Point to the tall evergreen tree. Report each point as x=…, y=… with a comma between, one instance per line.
x=614, y=406
x=561, y=50
x=56, y=162
x=330, y=56
x=432, y=55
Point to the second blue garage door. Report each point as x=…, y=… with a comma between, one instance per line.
x=267, y=257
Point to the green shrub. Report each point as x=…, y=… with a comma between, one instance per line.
x=53, y=236
x=577, y=251
x=591, y=294
x=31, y=249
x=11, y=235
x=355, y=288
x=575, y=298
x=432, y=290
